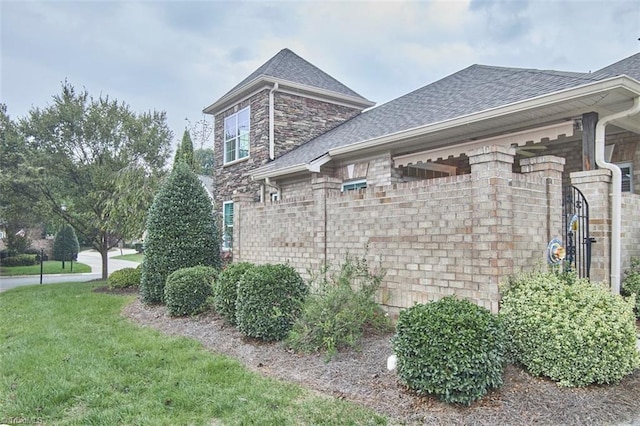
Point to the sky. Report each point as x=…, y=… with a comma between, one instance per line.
x=181, y=56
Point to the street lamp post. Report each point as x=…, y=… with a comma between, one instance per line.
x=41, y=263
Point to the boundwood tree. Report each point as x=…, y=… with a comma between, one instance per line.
x=181, y=232
x=65, y=246
x=98, y=158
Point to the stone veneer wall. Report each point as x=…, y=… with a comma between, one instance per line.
x=455, y=235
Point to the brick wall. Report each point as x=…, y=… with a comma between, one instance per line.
x=630, y=242
x=454, y=235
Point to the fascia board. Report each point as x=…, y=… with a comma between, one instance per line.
x=296, y=168
x=296, y=88
x=620, y=82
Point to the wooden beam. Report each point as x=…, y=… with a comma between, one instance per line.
x=589, y=121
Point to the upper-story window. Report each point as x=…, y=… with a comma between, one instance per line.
x=627, y=177
x=236, y=135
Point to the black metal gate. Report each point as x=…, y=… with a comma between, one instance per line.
x=575, y=221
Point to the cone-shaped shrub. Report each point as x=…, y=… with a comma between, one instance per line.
x=65, y=245
x=181, y=232
x=451, y=348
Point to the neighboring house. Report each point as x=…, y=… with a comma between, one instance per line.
x=450, y=187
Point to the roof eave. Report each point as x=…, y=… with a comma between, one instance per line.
x=302, y=89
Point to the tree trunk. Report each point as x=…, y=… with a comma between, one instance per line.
x=104, y=252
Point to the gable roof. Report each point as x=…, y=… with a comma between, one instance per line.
x=629, y=66
x=287, y=68
x=475, y=89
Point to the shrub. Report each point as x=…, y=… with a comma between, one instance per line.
x=19, y=260
x=187, y=289
x=181, y=232
x=124, y=278
x=65, y=245
x=270, y=298
x=450, y=348
x=631, y=284
x=225, y=290
x=341, y=311
x=575, y=334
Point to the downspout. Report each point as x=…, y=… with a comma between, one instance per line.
x=272, y=153
x=616, y=190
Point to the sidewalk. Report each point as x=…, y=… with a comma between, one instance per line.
x=89, y=257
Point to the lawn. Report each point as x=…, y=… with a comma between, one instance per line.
x=134, y=257
x=49, y=267
x=69, y=357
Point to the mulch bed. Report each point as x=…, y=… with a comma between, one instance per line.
x=362, y=377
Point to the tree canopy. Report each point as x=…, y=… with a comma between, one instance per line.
x=96, y=157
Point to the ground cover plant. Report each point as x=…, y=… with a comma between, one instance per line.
x=450, y=348
x=78, y=361
x=340, y=310
x=49, y=267
x=572, y=331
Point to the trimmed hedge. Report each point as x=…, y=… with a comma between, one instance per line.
x=20, y=260
x=187, y=290
x=574, y=334
x=631, y=284
x=270, y=298
x=451, y=348
x=124, y=278
x=225, y=290
x=181, y=232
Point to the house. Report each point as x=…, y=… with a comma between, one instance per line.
x=449, y=188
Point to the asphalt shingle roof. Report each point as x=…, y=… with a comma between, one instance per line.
x=629, y=66
x=288, y=66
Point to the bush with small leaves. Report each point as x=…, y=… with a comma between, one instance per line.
x=270, y=298
x=19, y=260
x=225, y=290
x=575, y=334
x=187, y=290
x=451, y=348
x=124, y=278
x=631, y=284
x=341, y=311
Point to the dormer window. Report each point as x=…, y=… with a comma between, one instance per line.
x=236, y=136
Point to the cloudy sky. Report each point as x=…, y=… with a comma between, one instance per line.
x=180, y=56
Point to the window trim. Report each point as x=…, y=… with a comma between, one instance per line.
x=235, y=115
x=228, y=244
x=624, y=166
x=354, y=183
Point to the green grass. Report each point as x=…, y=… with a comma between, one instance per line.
x=134, y=257
x=49, y=267
x=68, y=358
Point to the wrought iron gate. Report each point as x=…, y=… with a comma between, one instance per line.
x=575, y=221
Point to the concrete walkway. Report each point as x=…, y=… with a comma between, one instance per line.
x=89, y=257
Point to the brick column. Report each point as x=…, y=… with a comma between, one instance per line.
x=548, y=168
x=239, y=201
x=322, y=187
x=491, y=175
x=596, y=187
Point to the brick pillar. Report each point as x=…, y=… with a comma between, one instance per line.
x=491, y=175
x=240, y=200
x=322, y=187
x=596, y=187
x=548, y=168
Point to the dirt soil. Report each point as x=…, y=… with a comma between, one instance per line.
x=362, y=377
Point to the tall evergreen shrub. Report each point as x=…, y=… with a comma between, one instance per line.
x=181, y=232
x=65, y=245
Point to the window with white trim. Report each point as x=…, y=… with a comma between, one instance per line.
x=227, y=225
x=236, y=135
x=354, y=185
x=627, y=177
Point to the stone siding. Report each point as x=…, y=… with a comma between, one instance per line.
x=453, y=235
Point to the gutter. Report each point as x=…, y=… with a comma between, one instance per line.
x=616, y=190
x=272, y=149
